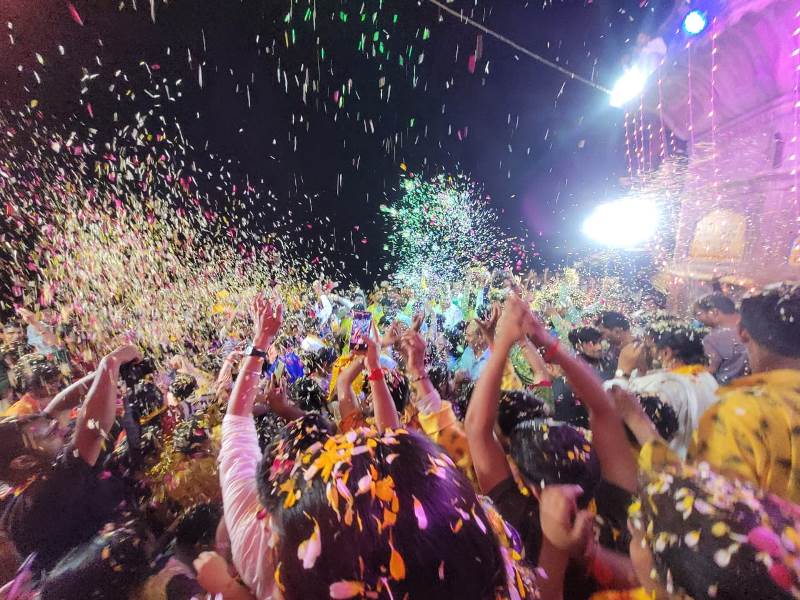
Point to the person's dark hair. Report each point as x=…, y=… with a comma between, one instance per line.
x=439, y=375
x=462, y=397
x=399, y=388
x=456, y=338
x=197, y=526
x=772, y=318
x=718, y=301
x=307, y=395
x=583, y=335
x=661, y=414
x=189, y=435
x=268, y=428
x=611, y=319
x=33, y=372
x=685, y=342
x=740, y=545
x=516, y=407
x=391, y=510
x=142, y=421
x=183, y=386
x=110, y=565
x=319, y=360
x=551, y=452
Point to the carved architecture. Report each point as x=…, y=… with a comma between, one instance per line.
x=737, y=216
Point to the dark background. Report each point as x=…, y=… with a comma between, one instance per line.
x=544, y=148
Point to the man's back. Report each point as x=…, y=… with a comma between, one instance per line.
x=753, y=432
x=727, y=354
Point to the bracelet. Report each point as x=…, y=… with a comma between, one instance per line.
x=550, y=351
x=376, y=374
x=419, y=378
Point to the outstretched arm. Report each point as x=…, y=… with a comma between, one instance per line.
x=608, y=434
x=386, y=416
x=98, y=411
x=267, y=317
x=488, y=456
x=70, y=396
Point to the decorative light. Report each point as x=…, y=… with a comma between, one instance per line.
x=628, y=87
x=627, y=223
x=694, y=22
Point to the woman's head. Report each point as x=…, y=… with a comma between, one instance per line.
x=197, y=527
x=678, y=344
x=553, y=453
x=368, y=513
x=516, y=407
x=700, y=534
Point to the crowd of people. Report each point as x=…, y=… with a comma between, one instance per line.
x=489, y=440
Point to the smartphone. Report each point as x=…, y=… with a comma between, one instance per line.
x=359, y=331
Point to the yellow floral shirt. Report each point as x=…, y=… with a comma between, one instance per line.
x=753, y=432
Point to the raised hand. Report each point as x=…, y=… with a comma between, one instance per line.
x=122, y=355
x=373, y=358
x=413, y=346
x=276, y=395
x=489, y=324
x=392, y=334
x=514, y=323
x=267, y=318
x=212, y=572
x=563, y=524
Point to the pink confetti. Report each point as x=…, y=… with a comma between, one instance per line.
x=74, y=13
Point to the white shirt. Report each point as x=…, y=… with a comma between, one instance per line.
x=688, y=395
x=239, y=458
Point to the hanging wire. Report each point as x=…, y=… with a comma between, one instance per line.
x=462, y=17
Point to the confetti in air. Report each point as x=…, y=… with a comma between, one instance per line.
x=442, y=227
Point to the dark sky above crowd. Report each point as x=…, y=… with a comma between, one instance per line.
x=389, y=91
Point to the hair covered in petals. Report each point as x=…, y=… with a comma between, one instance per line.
x=713, y=537
x=385, y=514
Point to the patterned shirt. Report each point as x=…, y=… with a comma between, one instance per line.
x=753, y=432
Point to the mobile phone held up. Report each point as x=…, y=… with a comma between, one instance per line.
x=359, y=331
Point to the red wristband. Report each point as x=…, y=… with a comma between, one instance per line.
x=550, y=352
x=376, y=374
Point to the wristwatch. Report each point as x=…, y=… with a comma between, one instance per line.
x=253, y=351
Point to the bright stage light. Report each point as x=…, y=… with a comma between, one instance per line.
x=626, y=223
x=628, y=87
x=694, y=22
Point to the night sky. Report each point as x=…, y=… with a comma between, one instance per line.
x=544, y=148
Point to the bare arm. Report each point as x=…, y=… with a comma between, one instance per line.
x=488, y=456
x=536, y=362
x=98, y=411
x=268, y=317
x=386, y=416
x=608, y=434
x=344, y=387
x=70, y=396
